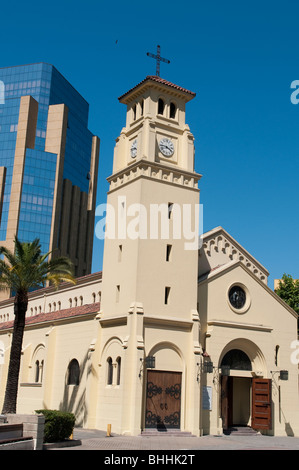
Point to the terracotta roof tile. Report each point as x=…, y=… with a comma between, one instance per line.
x=157, y=79
x=57, y=315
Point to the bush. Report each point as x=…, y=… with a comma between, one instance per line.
x=59, y=425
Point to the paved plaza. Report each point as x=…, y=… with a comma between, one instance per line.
x=97, y=440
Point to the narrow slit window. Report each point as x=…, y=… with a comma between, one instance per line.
x=109, y=371
x=170, y=208
x=118, y=362
x=37, y=371
x=117, y=293
x=167, y=292
x=120, y=251
x=168, y=252
x=134, y=112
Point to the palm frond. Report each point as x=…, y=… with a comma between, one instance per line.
x=27, y=268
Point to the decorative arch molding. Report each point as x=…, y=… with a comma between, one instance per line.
x=113, y=341
x=37, y=363
x=37, y=352
x=174, y=360
x=111, y=361
x=254, y=353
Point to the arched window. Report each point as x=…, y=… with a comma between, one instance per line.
x=109, y=371
x=36, y=371
x=73, y=372
x=118, y=362
x=81, y=300
x=236, y=360
x=76, y=301
x=59, y=305
x=41, y=371
x=161, y=106
x=172, y=111
x=141, y=107
x=71, y=303
x=37, y=364
x=93, y=297
x=134, y=112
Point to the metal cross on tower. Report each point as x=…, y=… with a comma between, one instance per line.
x=158, y=59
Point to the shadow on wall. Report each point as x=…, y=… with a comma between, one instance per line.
x=74, y=395
x=287, y=425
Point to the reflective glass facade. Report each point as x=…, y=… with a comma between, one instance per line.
x=37, y=197
x=48, y=87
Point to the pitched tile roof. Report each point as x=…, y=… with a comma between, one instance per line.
x=57, y=315
x=155, y=78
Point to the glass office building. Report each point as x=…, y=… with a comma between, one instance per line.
x=48, y=163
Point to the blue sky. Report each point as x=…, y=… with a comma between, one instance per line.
x=239, y=57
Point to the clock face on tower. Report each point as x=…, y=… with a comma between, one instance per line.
x=134, y=149
x=166, y=147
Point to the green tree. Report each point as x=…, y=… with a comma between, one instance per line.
x=21, y=271
x=288, y=290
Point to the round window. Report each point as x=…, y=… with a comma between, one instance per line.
x=237, y=297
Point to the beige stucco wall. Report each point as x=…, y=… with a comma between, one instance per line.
x=134, y=321
x=142, y=257
x=91, y=339
x=52, y=344
x=266, y=323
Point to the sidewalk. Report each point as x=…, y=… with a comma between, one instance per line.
x=97, y=440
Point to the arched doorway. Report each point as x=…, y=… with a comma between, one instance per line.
x=245, y=398
x=235, y=389
x=163, y=394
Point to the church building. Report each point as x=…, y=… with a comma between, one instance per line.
x=177, y=332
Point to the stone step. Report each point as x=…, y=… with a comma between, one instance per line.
x=241, y=431
x=165, y=432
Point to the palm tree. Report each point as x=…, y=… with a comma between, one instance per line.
x=22, y=271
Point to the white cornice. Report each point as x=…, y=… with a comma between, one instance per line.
x=239, y=325
x=157, y=171
x=219, y=240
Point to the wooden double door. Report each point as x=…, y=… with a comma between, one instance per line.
x=260, y=406
x=163, y=400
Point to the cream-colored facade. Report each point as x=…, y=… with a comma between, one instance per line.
x=194, y=309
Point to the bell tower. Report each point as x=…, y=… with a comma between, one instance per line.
x=155, y=130
x=150, y=265
x=154, y=203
